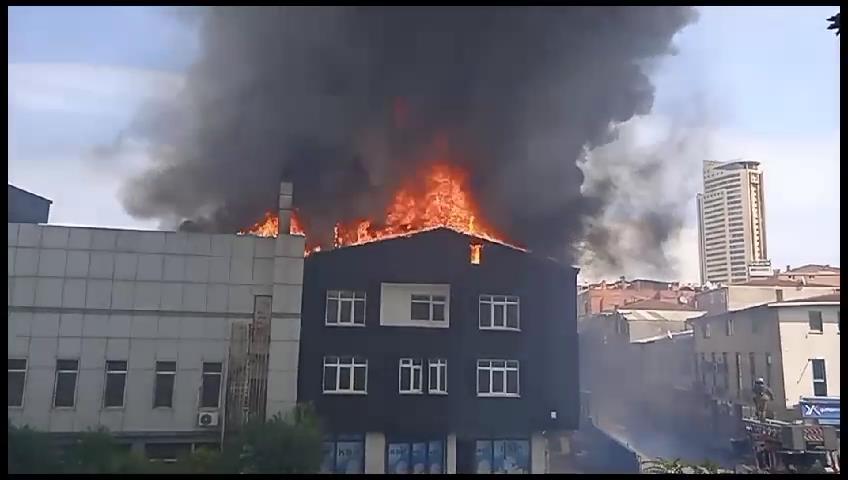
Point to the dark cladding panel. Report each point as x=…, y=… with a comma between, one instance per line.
x=545, y=343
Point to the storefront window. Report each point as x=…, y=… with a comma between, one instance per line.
x=415, y=457
x=343, y=454
x=503, y=456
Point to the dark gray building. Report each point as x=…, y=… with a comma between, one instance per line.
x=422, y=360
x=25, y=207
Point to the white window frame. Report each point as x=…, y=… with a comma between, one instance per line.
x=350, y=299
x=24, y=383
x=431, y=301
x=436, y=372
x=336, y=362
x=505, y=301
x=56, y=382
x=818, y=380
x=157, y=373
x=413, y=365
x=125, y=372
x=211, y=373
x=509, y=366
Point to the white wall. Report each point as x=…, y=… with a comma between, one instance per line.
x=799, y=345
x=142, y=296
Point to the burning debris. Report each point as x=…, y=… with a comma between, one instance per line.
x=349, y=104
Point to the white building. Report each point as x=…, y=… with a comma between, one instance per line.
x=792, y=344
x=731, y=221
x=758, y=291
x=135, y=330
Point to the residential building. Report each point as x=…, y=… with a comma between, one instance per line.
x=152, y=334
x=792, y=344
x=421, y=360
x=731, y=221
x=812, y=274
x=757, y=291
x=607, y=296
x=26, y=207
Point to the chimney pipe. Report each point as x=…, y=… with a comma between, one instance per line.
x=285, y=211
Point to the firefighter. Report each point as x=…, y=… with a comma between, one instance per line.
x=762, y=394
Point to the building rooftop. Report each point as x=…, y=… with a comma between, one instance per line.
x=776, y=282
x=14, y=188
x=829, y=298
x=813, y=268
x=666, y=336
x=653, y=304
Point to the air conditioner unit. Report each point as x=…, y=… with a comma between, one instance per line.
x=207, y=419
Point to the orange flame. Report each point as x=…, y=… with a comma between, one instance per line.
x=442, y=202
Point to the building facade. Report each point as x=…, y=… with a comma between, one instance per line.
x=731, y=221
x=150, y=333
x=793, y=345
x=422, y=361
x=25, y=207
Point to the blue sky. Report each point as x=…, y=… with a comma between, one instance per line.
x=759, y=82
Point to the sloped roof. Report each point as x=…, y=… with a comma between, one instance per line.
x=653, y=304
x=813, y=268
x=666, y=336
x=831, y=297
x=776, y=282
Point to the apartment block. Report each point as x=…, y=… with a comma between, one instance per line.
x=422, y=361
x=731, y=221
x=792, y=344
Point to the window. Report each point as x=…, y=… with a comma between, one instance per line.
x=724, y=371
x=715, y=369
x=210, y=388
x=497, y=378
x=768, y=369
x=415, y=457
x=739, y=375
x=345, y=308
x=499, y=312
x=116, y=380
x=816, y=325
x=409, y=376
x=66, y=383
x=17, y=381
x=779, y=294
x=438, y=376
x=706, y=329
x=819, y=378
x=345, y=374
x=729, y=327
x=502, y=456
x=343, y=454
x=704, y=369
x=428, y=308
x=163, y=395
x=753, y=366
x=166, y=452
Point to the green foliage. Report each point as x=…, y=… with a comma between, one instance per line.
x=279, y=445
x=283, y=445
x=31, y=452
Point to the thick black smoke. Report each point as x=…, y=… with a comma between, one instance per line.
x=347, y=101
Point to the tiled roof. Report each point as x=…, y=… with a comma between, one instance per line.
x=831, y=297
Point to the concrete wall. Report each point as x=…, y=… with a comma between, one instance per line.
x=762, y=339
x=142, y=296
x=737, y=297
x=798, y=345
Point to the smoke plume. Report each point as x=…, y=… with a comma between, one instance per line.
x=347, y=102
